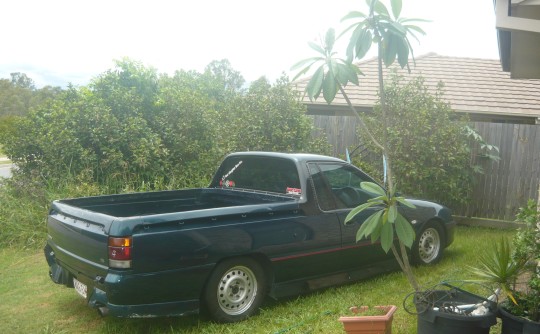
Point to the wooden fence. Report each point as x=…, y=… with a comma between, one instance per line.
x=500, y=191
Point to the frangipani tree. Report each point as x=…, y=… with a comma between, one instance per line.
x=390, y=34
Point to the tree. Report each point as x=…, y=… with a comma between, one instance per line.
x=15, y=98
x=270, y=118
x=129, y=89
x=391, y=35
x=423, y=162
x=18, y=95
x=21, y=80
x=223, y=73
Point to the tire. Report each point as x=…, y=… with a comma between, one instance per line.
x=428, y=245
x=235, y=290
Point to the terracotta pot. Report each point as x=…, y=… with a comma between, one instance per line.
x=369, y=324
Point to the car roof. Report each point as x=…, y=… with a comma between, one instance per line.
x=300, y=157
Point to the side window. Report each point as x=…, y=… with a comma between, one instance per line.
x=344, y=182
x=324, y=196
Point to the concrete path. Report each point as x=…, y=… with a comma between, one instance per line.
x=5, y=169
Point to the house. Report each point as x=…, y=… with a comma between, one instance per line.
x=505, y=111
x=518, y=30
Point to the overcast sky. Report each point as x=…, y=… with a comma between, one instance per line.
x=56, y=42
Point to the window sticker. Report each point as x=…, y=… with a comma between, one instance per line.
x=294, y=191
x=227, y=183
x=229, y=173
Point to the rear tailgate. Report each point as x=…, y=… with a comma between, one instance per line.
x=79, y=240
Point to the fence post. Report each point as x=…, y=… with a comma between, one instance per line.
x=538, y=203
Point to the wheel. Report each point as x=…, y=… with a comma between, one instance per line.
x=235, y=290
x=428, y=246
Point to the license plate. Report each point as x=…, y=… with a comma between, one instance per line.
x=80, y=288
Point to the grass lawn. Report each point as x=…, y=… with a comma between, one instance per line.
x=4, y=160
x=31, y=303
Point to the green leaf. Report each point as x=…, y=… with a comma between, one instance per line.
x=389, y=49
x=353, y=15
x=392, y=213
x=363, y=44
x=317, y=48
x=387, y=237
x=396, y=7
x=381, y=198
x=405, y=202
x=404, y=230
x=352, y=73
x=342, y=73
x=415, y=28
x=373, y=188
x=369, y=225
x=352, y=42
x=315, y=84
x=346, y=72
x=301, y=63
x=309, y=61
x=404, y=20
x=330, y=39
x=376, y=233
x=299, y=74
x=380, y=8
x=329, y=87
x=402, y=52
x=357, y=210
x=396, y=28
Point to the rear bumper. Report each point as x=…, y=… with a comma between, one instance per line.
x=98, y=300
x=129, y=295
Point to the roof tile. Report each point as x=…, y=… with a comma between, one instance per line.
x=471, y=85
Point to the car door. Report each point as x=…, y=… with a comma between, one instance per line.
x=341, y=182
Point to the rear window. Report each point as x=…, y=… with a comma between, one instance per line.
x=258, y=173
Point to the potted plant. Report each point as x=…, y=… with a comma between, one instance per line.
x=377, y=320
x=517, y=273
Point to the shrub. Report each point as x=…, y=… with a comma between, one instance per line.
x=271, y=118
x=134, y=130
x=429, y=149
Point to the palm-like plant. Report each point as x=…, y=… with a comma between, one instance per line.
x=332, y=75
x=391, y=35
x=499, y=267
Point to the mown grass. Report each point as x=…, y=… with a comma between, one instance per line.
x=31, y=303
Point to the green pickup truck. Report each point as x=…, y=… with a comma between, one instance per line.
x=269, y=224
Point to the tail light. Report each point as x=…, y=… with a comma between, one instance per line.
x=120, y=252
